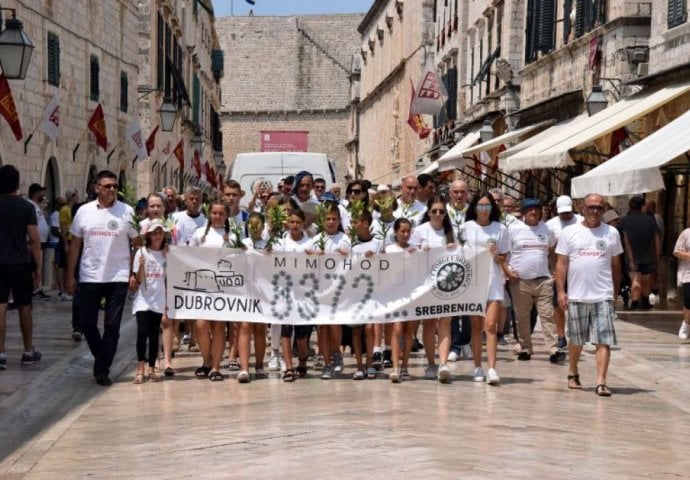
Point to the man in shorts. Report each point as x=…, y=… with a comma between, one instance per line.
x=588, y=256
x=20, y=262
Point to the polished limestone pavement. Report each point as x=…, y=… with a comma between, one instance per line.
x=56, y=423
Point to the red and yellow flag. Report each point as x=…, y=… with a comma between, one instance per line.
x=179, y=154
x=415, y=120
x=196, y=163
x=8, y=109
x=97, y=127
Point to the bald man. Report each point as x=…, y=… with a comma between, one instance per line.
x=408, y=205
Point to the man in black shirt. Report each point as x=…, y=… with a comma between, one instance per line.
x=21, y=263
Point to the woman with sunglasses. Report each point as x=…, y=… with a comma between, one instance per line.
x=435, y=230
x=483, y=228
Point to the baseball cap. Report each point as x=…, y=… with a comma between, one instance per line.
x=328, y=197
x=155, y=224
x=35, y=187
x=564, y=204
x=382, y=187
x=530, y=203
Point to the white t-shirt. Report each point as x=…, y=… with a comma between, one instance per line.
x=589, y=252
x=287, y=244
x=43, y=228
x=413, y=212
x=374, y=245
x=152, y=296
x=336, y=242
x=556, y=225
x=185, y=226
x=529, y=249
x=214, y=238
x=425, y=236
x=54, y=223
x=377, y=230
x=683, y=245
x=254, y=244
x=106, y=233
x=475, y=235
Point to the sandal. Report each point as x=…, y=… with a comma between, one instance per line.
x=302, y=368
x=202, y=372
x=153, y=377
x=602, y=390
x=169, y=372
x=138, y=379
x=574, y=382
x=289, y=375
x=216, y=376
x=371, y=373
x=234, y=366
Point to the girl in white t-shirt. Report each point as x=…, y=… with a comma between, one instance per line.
x=402, y=232
x=253, y=241
x=149, y=301
x=211, y=334
x=483, y=228
x=435, y=230
x=296, y=240
x=331, y=240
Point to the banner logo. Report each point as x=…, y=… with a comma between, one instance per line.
x=450, y=276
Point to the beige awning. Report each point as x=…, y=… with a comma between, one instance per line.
x=539, y=137
x=553, y=151
x=507, y=137
x=454, y=158
x=636, y=169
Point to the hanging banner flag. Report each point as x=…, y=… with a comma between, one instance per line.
x=234, y=285
x=8, y=108
x=179, y=154
x=50, y=122
x=97, y=127
x=135, y=138
x=212, y=177
x=221, y=183
x=166, y=148
x=430, y=94
x=415, y=120
x=196, y=163
x=151, y=142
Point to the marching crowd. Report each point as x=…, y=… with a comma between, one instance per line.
x=549, y=264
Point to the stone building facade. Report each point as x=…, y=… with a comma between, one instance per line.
x=288, y=74
x=93, y=59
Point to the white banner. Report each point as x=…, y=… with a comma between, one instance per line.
x=299, y=289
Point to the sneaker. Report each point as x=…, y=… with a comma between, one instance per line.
x=260, y=374
x=371, y=373
x=502, y=340
x=76, y=336
x=443, y=374
x=3, y=363
x=416, y=346
x=478, y=374
x=319, y=363
x=41, y=295
x=562, y=343
x=65, y=297
x=387, y=359
x=358, y=375
x=283, y=365
x=524, y=356
x=243, y=377
x=466, y=352
x=394, y=376
x=557, y=357
x=404, y=374
x=233, y=366
x=186, y=338
x=104, y=380
x=684, y=332
x=31, y=358
x=492, y=377
x=337, y=363
x=453, y=356
x=431, y=372
x=273, y=363
x=377, y=360
x=326, y=372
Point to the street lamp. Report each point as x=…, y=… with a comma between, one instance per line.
x=218, y=158
x=596, y=102
x=486, y=133
x=168, y=113
x=15, y=47
x=197, y=142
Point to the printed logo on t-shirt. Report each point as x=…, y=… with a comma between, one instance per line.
x=543, y=238
x=600, y=245
x=113, y=225
x=490, y=242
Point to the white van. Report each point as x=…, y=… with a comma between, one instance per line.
x=272, y=166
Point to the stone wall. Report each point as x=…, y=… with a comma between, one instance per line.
x=668, y=47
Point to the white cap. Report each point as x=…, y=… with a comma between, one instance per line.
x=155, y=224
x=564, y=204
x=382, y=187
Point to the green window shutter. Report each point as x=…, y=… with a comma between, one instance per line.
x=53, y=59
x=531, y=30
x=677, y=13
x=95, y=90
x=196, y=98
x=546, y=21
x=580, y=18
x=124, y=90
x=160, y=54
x=567, y=27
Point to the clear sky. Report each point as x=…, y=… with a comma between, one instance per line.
x=290, y=7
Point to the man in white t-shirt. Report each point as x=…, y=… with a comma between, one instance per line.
x=36, y=197
x=408, y=205
x=232, y=194
x=103, y=228
x=530, y=279
x=588, y=256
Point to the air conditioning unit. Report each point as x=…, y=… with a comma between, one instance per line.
x=642, y=69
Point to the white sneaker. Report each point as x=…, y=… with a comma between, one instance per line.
x=243, y=377
x=453, y=356
x=283, y=366
x=430, y=372
x=394, y=376
x=273, y=365
x=478, y=374
x=466, y=351
x=684, y=331
x=492, y=377
x=443, y=374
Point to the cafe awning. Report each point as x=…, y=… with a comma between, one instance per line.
x=507, y=137
x=454, y=158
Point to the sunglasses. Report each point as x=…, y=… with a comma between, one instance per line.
x=108, y=186
x=484, y=208
x=438, y=211
x=356, y=191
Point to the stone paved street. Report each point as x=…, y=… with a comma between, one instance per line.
x=55, y=422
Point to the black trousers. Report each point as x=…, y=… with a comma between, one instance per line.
x=103, y=348
x=460, y=336
x=148, y=328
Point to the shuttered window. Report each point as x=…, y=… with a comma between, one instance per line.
x=160, y=54
x=567, y=27
x=531, y=31
x=124, y=90
x=95, y=72
x=196, y=99
x=677, y=12
x=53, y=59
x=589, y=15
x=546, y=22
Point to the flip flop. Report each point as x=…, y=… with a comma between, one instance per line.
x=202, y=372
x=602, y=390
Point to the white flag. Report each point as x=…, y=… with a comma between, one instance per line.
x=135, y=138
x=430, y=94
x=51, y=117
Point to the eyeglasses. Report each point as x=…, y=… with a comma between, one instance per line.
x=356, y=191
x=595, y=208
x=108, y=186
x=437, y=211
x=484, y=208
